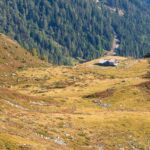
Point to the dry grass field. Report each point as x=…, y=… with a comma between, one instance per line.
x=85, y=107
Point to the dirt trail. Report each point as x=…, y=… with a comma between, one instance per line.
x=115, y=45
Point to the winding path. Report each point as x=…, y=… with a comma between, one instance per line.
x=115, y=44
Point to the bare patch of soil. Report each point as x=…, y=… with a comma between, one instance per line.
x=7, y=93
x=103, y=94
x=147, y=75
x=145, y=85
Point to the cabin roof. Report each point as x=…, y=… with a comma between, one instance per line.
x=110, y=62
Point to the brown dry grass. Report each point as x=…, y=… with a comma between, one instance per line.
x=41, y=105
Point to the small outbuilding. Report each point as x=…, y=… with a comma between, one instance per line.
x=111, y=62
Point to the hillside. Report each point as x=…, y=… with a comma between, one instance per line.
x=69, y=31
x=131, y=26
x=61, y=30
x=86, y=107
x=13, y=56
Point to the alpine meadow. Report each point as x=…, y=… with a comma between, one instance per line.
x=75, y=75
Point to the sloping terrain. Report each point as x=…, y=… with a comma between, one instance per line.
x=86, y=107
x=13, y=56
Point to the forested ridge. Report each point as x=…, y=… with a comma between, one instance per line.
x=62, y=31
x=133, y=28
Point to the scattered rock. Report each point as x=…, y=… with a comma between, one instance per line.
x=121, y=148
x=59, y=141
x=101, y=147
x=41, y=103
x=96, y=101
x=67, y=125
x=105, y=105
x=44, y=137
x=13, y=74
x=25, y=147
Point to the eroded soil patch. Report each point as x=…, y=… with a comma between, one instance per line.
x=145, y=85
x=103, y=94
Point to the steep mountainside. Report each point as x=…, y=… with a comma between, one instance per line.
x=60, y=29
x=132, y=26
x=81, y=29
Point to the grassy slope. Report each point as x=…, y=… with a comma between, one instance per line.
x=14, y=56
x=43, y=105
